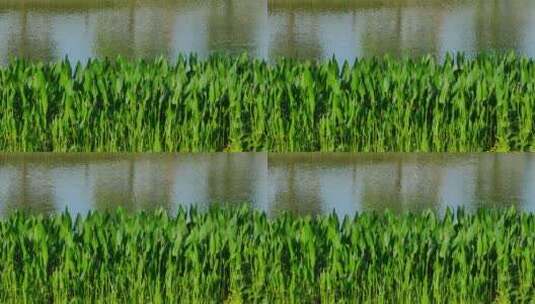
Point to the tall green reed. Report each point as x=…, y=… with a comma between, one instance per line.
x=242, y=256
x=227, y=103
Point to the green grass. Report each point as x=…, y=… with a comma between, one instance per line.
x=242, y=256
x=227, y=103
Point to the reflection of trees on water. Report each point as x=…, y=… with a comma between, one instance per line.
x=379, y=191
x=32, y=38
x=115, y=33
x=231, y=178
x=289, y=43
x=499, y=24
x=306, y=185
x=147, y=29
x=133, y=32
x=131, y=29
x=231, y=25
x=134, y=184
x=27, y=192
x=296, y=189
x=61, y=5
x=394, y=29
x=399, y=183
x=383, y=34
x=403, y=27
x=154, y=187
x=500, y=179
x=383, y=183
x=111, y=191
x=398, y=30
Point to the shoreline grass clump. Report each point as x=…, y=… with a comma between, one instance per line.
x=242, y=256
x=226, y=103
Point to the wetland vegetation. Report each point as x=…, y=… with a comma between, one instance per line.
x=243, y=256
x=226, y=103
x=422, y=82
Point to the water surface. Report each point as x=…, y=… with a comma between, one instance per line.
x=313, y=29
x=303, y=183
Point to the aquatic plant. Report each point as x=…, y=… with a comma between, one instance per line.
x=225, y=103
x=241, y=255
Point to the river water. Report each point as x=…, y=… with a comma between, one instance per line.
x=302, y=183
x=311, y=29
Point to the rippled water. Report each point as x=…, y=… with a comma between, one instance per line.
x=304, y=183
x=80, y=29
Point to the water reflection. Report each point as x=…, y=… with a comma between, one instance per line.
x=346, y=183
x=304, y=183
x=81, y=182
x=314, y=29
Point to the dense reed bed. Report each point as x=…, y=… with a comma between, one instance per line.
x=240, y=255
x=242, y=104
